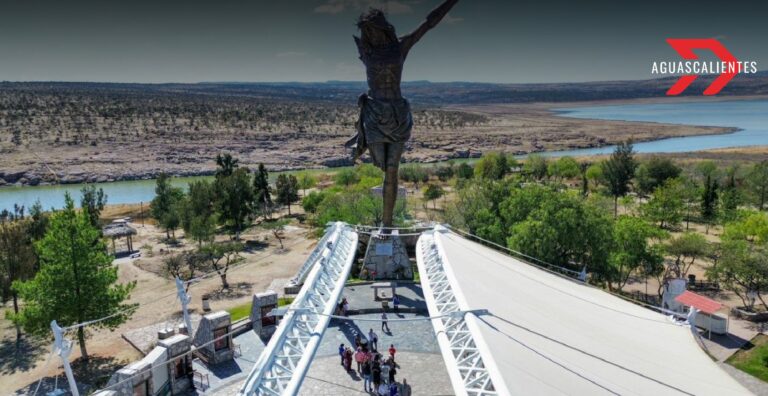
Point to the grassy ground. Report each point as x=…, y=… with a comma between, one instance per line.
x=243, y=311
x=753, y=357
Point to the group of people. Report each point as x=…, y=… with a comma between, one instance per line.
x=378, y=372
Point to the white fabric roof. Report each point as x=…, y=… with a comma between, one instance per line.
x=549, y=335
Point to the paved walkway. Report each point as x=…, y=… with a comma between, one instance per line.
x=222, y=375
x=361, y=296
x=424, y=372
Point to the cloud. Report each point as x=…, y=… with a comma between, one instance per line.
x=291, y=54
x=389, y=6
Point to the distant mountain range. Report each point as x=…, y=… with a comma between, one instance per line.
x=422, y=92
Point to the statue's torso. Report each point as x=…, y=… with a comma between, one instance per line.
x=384, y=69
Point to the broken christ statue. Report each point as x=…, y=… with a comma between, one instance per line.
x=385, y=121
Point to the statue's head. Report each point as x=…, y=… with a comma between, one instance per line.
x=375, y=30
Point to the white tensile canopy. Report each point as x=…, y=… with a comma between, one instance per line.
x=550, y=335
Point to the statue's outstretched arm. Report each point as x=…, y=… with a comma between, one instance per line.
x=432, y=20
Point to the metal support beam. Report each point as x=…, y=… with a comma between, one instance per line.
x=285, y=361
x=316, y=254
x=63, y=348
x=466, y=356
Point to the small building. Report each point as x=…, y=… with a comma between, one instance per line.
x=120, y=229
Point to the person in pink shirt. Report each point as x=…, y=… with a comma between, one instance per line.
x=359, y=358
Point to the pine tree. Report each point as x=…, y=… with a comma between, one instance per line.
x=618, y=172
x=709, y=201
x=287, y=190
x=18, y=261
x=93, y=200
x=76, y=282
x=261, y=190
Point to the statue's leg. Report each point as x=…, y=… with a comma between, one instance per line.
x=390, y=194
x=394, y=152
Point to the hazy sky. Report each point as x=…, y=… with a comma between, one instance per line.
x=311, y=40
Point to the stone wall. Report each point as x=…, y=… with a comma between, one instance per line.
x=266, y=300
x=218, y=322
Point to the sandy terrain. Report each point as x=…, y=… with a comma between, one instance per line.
x=156, y=294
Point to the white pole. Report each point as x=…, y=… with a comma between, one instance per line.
x=185, y=299
x=63, y=349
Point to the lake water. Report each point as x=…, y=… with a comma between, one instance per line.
x=750, y=116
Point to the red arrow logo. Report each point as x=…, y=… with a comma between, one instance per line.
x=685, y=48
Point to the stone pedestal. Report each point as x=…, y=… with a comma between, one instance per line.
x=180, y=367
x=212, y=338
x=386, y=258
x=263, y=303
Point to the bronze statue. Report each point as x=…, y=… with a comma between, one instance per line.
x=385, y=121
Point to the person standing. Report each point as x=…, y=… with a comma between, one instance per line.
x=392, y=371
x=406, y=388
x=359, y=359
x=366, y=371
x=395, y=302
x=376, y=374
x=392, y=352
x=341, y=353
x=393, y=389
x=348, y=359
x=345, y=307
x=385, y=369
x=384, y=324
x=373, y=339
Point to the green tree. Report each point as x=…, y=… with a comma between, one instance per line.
x=757, y=182
x=492, y=166
x=633, y=250
x=39, y=221
x=226, y=165
x=688, y=246
x=306, y=181
x=535, y=167
x=558, y=228
x=287, y=190
x=708, y=206
x=594, y=173
x=618, y=172
x=564, y=168
x=432, y=192
x=235, y=197
x=165, y=206
x=464, y=171
x=653, y=173
x=262, y=198
x=76, y=282
x=198, y=216
x=730, y=197
x=414, y=174
x=444, y=173
x=346, y=177
x=18, y=261
x=311, y=202
x=219, y=257
x=666, y=205
x=277, y=228
x=743, y=264
x=92, y=201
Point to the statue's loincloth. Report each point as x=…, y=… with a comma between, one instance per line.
x=381, y=121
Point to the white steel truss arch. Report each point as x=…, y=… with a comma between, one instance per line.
x=467, y=358
x=285, y=361
x=302, y=273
